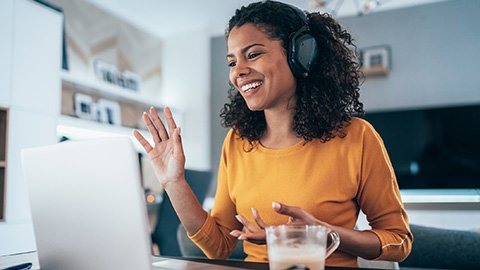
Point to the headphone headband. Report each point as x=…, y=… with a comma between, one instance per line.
x=301, y=14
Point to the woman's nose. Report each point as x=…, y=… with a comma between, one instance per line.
x=241, y=69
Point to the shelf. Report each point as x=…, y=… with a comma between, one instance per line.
x=109, y=91
x=440, y=195
x=80, y=129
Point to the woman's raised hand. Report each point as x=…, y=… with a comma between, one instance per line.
x=166, y=155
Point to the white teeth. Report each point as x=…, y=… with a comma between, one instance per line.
x=248, y=87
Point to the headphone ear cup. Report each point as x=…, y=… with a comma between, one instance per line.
x=302, y=53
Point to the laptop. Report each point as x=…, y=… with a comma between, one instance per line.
x=88, y=207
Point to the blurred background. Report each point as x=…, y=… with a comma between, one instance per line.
x=80, y=69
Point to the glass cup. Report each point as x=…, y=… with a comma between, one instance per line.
x=299, y=246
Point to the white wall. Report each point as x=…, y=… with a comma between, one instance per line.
x=434, y=55
x=6, y=32
x=186, y=87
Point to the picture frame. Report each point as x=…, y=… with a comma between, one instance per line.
x=375, y=60
x=108, y=112
x=131, y=80
x=109, y=73
x=104, y=71
x=83, y=106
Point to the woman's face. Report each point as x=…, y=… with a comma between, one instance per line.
x=259, y=69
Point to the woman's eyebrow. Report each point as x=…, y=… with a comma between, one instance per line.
x=244, y=50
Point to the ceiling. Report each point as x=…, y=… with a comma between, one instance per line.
x=165, y=18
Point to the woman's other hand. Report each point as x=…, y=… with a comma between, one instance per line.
x=166, y=155
x=297, y=215
x=255, y=233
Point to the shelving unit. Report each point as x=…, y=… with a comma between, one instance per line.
x=106, y=90
x=3, y=155
x=73, y=127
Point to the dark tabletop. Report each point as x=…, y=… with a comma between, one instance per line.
x=246, y=265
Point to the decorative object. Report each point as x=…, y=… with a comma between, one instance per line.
x=108, y=112
x=84, y=106
x=375, y=61
x=110, y=74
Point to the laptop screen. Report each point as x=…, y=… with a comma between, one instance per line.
x=88, y=206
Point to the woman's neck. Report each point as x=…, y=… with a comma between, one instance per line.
x=279, y=133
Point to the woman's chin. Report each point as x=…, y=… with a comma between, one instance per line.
x=254, y=108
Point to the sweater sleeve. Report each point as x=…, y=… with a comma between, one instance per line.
x=379, y=198
x=213, y=238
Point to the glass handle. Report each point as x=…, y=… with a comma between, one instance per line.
x=334, y=244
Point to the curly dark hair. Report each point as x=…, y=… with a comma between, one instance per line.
x=326, y=99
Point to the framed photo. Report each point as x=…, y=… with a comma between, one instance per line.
x=375, y=61
x=108, y=112
x=83, y=106
x=131, y=80
x=110, y=74
x=105, y=71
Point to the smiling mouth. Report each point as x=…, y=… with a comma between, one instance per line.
x=247, y=87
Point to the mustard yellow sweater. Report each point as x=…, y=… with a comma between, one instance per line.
x=332, y=181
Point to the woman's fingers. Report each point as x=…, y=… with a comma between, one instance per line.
x=258, y=238
x=258, y=219
x=156, y=126
x=177, y=140
x=170, y=122
x=153, y=130
x=284, y=209
x=250, y=226
x=297, y=214
x=146, y=145
x=292, y=211
x=159, y=124
x=239, y=234
x=236, y=233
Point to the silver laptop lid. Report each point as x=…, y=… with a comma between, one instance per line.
x=88, y=207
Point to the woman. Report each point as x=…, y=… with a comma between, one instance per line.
x=295, y=152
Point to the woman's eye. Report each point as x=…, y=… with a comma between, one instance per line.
x=231, y=64
x=253, y=55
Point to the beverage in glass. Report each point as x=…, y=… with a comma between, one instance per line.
x=299, y=246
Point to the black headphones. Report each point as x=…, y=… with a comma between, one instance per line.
x=302, y=47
